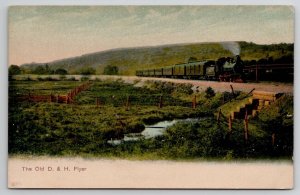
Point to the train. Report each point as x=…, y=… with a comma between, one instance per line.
x=224, y=69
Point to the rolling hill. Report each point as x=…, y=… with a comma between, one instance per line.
x=129, y=60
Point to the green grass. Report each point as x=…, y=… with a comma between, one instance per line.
x=234, y=104
x=41, y=87
x=83, y=129
x=51, y=128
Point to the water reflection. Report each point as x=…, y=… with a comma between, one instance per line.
x=151, y=131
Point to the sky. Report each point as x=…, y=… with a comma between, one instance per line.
x=48, y=33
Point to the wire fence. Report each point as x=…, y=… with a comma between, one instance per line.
x=57, y=98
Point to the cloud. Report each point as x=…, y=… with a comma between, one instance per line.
x=63, y=31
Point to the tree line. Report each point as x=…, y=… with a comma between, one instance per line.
x=46, y=70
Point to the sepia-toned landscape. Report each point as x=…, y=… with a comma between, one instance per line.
x=143, y=83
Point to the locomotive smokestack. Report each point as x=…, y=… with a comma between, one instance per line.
x=233, y=47
x=238, y=59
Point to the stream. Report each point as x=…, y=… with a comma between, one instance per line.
x=151, y=131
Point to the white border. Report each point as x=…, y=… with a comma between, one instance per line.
x=4, y=92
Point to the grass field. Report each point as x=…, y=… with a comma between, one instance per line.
x=41, y=87
x=84, y=128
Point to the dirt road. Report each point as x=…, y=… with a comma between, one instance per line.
x=198, y=84
x=217, y=86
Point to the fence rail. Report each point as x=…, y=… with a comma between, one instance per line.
x=68, y=98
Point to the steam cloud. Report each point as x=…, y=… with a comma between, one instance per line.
x=234, y=47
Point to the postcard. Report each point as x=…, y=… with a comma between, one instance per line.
x=151, y=97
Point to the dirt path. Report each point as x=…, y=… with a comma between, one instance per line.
x=200, y=85
x=217, y=86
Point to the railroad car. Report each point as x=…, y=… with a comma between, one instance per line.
x=224, y=69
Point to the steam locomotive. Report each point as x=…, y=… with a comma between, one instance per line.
x=224, y=69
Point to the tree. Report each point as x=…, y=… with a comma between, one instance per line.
x=39, y=70
x=14, y=69
x=111, y=70
x=61, y=71
x=47, y=69
x=87, y=71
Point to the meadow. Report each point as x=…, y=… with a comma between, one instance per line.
x=110, y=109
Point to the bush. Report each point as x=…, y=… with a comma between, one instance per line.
x=85, y=78
x=61, y=71
x=50, y=79
x=199, y=139
x=87, y=71
x=184, y=88
x=14, y=69
x=209, y=92
x=111, y=70
x=161, y=87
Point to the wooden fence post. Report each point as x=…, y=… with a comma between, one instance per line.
x=229, y=127
x=219, y=116
x=232, y=91
x=273, y=139
x=160, y=105
x=97, y=102
x=246, y=127
x=127, y=103
x=256, y=73
x=50, y=98
x=194, y=102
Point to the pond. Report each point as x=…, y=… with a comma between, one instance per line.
x=151, y=131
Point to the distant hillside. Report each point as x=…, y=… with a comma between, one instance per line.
x=129, y=60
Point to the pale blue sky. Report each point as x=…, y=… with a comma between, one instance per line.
x=47, y=33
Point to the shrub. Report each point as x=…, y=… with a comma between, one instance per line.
x=61, y=71
x=14, y=69
x=209, y=92
x=111, y=70
x=184, y=88
x=162, y=87
x=87, y=71
x=85, y=78
x=50, y=79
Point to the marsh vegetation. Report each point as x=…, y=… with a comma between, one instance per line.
x=112, y=109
